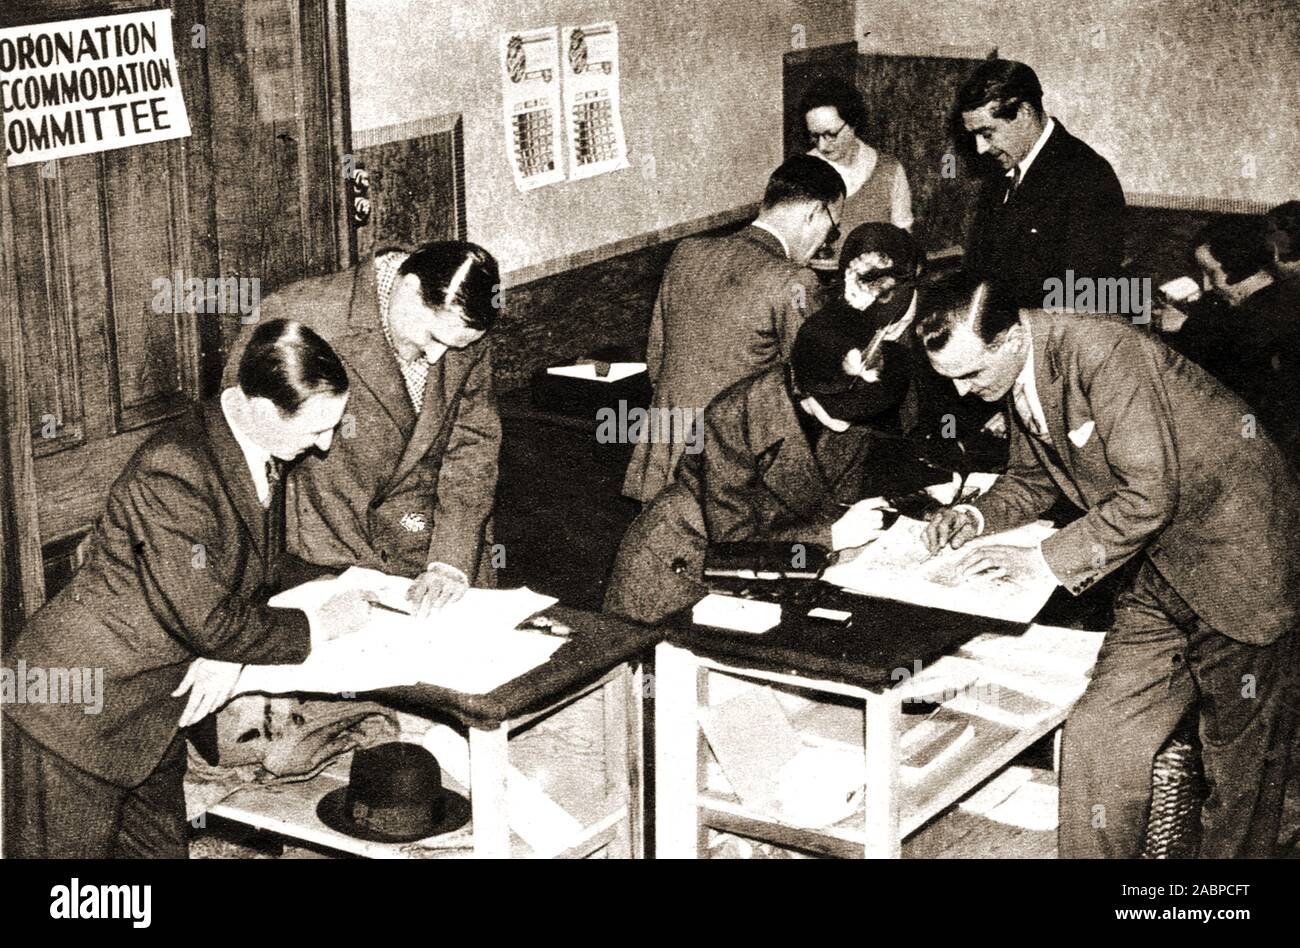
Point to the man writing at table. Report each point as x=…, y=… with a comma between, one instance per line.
x=179, y=571
x=409, y=485
x=1166, y=466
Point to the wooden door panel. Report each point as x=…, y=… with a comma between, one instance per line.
x=55, y=407
x=135, y=363
x=72, y=485
x=94, y=359
x=279, y=208
x=152, y=356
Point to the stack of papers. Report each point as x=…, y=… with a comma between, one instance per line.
x=470, y=646
x=1050, y=662
x=898, y=566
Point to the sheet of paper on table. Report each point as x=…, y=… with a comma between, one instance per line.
x=470, y=646
x=898, y=566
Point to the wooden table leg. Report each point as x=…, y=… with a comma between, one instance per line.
x=488, y=760
x=882, y=728
x=634, y=724
x=617, y=757
x=677, y=753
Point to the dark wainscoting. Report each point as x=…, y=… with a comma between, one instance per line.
x=604, y=304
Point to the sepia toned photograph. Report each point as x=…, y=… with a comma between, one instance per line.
x=747, y=429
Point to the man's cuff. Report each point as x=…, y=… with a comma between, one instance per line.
x=979, y=517
x=1047, y=569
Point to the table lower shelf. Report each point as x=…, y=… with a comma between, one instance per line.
x=986, y=755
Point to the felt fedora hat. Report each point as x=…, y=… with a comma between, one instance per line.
x=394, y=795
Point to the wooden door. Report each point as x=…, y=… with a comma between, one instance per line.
x=96, y=354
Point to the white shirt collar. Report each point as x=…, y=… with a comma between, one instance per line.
x=256, y=457
x=1028, y=160
x=1025, y=380
x=855, y=175
x=784, y=246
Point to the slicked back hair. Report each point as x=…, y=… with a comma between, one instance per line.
x=288, y=363
x=988, y=307
x=803, y=178
x=457, y=273
x=1004, y=81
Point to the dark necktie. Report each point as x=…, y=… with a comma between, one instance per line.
x=1012, y=184
x=274, y=534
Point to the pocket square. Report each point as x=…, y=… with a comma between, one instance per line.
x=1080, y=435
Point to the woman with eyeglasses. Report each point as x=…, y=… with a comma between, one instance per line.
x=875, y=183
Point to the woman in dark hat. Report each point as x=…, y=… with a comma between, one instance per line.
x=782, y=455
x=877, y=277
x=870, y=308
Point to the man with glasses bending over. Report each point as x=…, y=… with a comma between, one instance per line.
x=731, y=306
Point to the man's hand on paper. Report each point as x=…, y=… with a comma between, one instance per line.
x=950, y=527
x=211, y=684
x=860, y=524
x=1022, y=564
x=439, y=585
x=344, y=613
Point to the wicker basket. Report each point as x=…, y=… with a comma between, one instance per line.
x=1178, y=791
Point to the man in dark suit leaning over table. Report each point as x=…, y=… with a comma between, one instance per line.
x=180, y=568
x=1054, y=206
x=410, y=483
x=782, y=459
x=1157, y=454
x=729, y=307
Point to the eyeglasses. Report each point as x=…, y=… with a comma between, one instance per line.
x=818, y=137
x=832, y=235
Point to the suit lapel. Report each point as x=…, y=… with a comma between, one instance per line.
x=1038, y=177
x=368, y=354
x=1051, y=397
x=1047, y=379
x=443, y=386
x=232, y=468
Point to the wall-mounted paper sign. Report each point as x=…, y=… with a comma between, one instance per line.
x=591, y=106
x=81, y=86
x=530, y=96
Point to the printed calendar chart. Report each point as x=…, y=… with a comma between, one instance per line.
x=591, y=100
x=531, y=98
